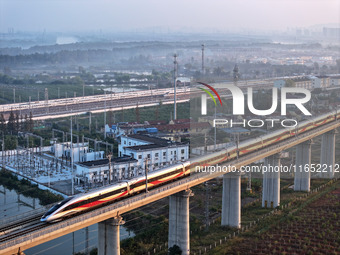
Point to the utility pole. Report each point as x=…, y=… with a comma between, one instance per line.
x=14, y=95
x=237, y=145
x=249, y=182
x=72, y=159
x=146, y=175
x=105, y=115
x=207, y=196
x=109, y=157
x=46, y=99
x=215, y=132
x=175, y=85
x=3, y=150
x=90, y=122
x=87, y=240
x=203, y=71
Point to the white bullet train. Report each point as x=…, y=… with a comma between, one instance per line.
x=116, y=192
x=83, y=202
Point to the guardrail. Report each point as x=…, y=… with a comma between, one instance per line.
x=13, y=219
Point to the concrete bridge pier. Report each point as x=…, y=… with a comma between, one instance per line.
x=327, y=160
x=271, y=182
x=231, y=200
x=302, y=170
x=179, y=233
x=109, y=237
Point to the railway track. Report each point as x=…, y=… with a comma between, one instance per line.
x=20, y=232
x=12, y=227
x=88, y=103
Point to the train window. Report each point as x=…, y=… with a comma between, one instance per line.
x=165, y=175
x=137, y=185
x=55, y=207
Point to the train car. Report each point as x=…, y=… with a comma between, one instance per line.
x=159, y=177
x=86, y=201
x=125, y=188
x=265, y=140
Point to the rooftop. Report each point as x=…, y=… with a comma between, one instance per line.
x=151, y=139
x=145, y=147
x=105, y=161
x=301, y=79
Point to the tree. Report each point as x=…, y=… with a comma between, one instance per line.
x=17, y=122
x=316, y=67
x=2, y=123
x=175, y=250
x=338, y=65
x=11, y=122
x=137, y=114
x=30, y=123
x=10, y=142
x=236, y=73
x=26, y=123
x=218, y=71
x=157, y=112
x=289, y=83
x=324, y=70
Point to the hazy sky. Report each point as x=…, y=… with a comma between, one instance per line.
x=113, y=15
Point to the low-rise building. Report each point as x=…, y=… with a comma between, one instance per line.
x=335, y=81
x=298, y=82
x=174, y=129
x=100, y=171
x=152, y=152
x=127, y=128
x=321, y=82
x=303, y=82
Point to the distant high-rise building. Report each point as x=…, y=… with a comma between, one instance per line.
x=331, y=32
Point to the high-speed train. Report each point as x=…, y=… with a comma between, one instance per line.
x=123, y=189
x=86, y=201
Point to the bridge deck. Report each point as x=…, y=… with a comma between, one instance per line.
x=51, y=231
